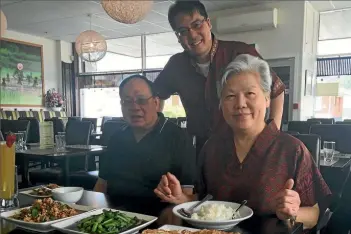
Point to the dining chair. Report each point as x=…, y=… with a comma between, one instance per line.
x=323, y=120
x=313, y=144
x=33, y=132
x=303, y=127
x=14, y=126
x=58, y=125
x=93, y=121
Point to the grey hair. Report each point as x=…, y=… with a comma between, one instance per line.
x=247, y=63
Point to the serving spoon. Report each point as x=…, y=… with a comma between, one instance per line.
x=188, y=212
x=236, y=211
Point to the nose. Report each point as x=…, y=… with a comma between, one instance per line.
x=240, y=101
x=192, y=34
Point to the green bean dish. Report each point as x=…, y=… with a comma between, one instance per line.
x=108, y=222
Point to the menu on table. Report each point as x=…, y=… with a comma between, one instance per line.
x=46, y=130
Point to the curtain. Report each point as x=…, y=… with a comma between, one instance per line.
x=334, y=66
x=68, y=85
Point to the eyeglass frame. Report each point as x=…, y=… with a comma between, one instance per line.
x=193, y=26
x=136, y=101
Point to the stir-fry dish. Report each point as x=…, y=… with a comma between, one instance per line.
x=160, y=231
x=45, y=210
x=44, y=191
x=108, y=222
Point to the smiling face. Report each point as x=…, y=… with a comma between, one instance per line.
x=194, y=34
x=243, y=101
x=139, y=107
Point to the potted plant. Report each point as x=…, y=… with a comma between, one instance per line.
x=54, y=100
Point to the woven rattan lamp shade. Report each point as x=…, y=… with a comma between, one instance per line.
x=91, y=46
x=127, y=11
x=3, y=25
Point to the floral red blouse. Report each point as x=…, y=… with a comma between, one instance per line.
x=273, y=159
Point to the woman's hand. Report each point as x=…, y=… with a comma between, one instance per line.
x=287, y=202
x=169, y=190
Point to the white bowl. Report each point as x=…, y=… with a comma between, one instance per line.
x=68, y=194
x=245, y=213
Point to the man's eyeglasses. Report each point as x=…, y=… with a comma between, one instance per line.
x=196, y=26
x=139, y=100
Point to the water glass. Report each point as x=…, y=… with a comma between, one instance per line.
x=328, y=150
x=24, y=141
x=19, y=141
x=60, y=142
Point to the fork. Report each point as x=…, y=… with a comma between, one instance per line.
x=190, y=211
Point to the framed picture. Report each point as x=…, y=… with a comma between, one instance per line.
x=21, y=74
x=308, y=83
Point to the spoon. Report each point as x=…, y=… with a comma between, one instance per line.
x=190, y=211
x=236, y=211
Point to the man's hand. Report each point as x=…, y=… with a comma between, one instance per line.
x=287, y=201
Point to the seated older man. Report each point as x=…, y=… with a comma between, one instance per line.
x=139, y=154
x=251, y=159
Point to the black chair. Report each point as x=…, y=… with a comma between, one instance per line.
x=313, y=144
x=75, y=118
x=110, y=128
x=323, y=120
x=58, y=124
x=340, y=133
x=340, y=220
x=302, y=127
x=292, y=132
x=77, y=133
x=93, y=121
x=33, y=132
x=14, y=126
x=104, y=120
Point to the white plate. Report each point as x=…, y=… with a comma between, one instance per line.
x=177, y=228
x=64, y=225
x=28, y=193
x=39, y=227
x=245, y=213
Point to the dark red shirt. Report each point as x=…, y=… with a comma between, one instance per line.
x=199, y=93
x=274, y=158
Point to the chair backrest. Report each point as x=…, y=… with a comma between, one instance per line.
x=93, y=121
x=323, y=120
x=313, y=144
x=33, y=132
x=75, y=118
x=339, y=133
x=104, y=120
x=110, y=128
x=58, y=124
x=14, y=126
x=302, y=127
x=78, y=132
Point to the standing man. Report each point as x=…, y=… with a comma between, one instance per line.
x=194, y=73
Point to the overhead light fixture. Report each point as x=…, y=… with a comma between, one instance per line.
x=91, y=46
x=3, y=25
x=127, y=11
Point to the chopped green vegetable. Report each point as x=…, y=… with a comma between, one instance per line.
x=108, y=222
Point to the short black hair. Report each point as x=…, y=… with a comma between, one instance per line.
x=149, y=83
x=185, y=7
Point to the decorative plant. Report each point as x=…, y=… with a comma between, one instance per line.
x=53, y=99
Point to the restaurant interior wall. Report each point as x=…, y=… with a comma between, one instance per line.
x=286, y=41
x=53, y=53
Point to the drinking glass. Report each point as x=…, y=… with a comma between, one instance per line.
x=328, y=150
x=24, y=141
x=60, y=142
x=8, y=177
x=19, y=141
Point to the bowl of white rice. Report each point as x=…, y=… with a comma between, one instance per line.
x=214, y=214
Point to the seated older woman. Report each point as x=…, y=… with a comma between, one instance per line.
x=252, y=160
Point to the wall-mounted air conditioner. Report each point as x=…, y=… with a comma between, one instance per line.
x=250, y=21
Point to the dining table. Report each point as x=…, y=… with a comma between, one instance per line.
x=254, y=225
x=36, y=153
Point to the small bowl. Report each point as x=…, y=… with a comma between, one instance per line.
x=68, y=194
x=245, y=213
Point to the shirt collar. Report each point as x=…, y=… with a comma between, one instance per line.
x=159, y=126
x=212, y=53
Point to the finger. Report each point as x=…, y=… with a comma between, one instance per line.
x=165, y=190
x=287, y=211
x=286, y=193
x=163, y=197
x=289, y=184
x=164, y=181
x=287, y=200
x=173, y=180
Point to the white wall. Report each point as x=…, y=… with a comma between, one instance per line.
x=53, y=53
x=283, y=42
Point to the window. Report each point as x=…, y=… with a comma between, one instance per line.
x=159, y=48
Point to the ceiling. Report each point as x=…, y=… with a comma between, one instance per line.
x=65, y=19
x=328, y=5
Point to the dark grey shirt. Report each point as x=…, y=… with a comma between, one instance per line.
x=134, y=169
